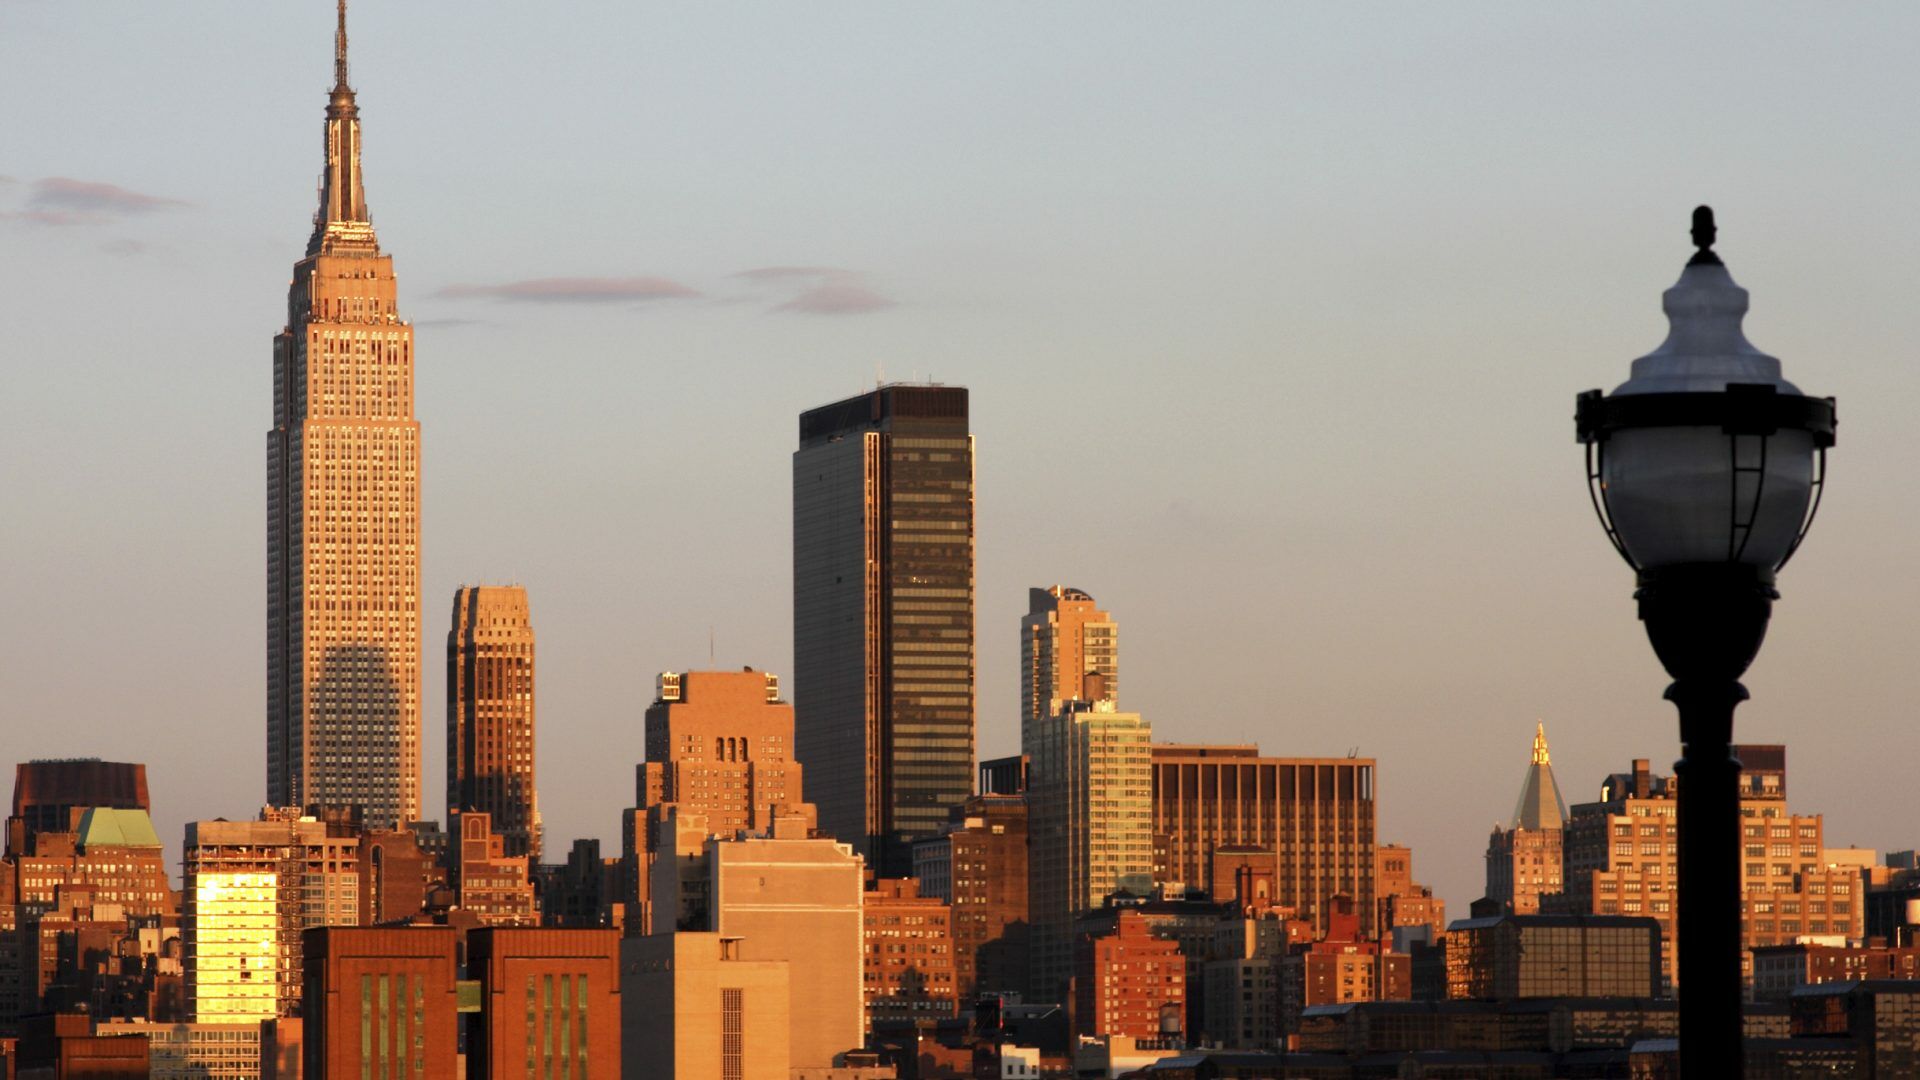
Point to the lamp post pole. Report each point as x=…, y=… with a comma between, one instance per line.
x=1706, y=468
x=1706, y=622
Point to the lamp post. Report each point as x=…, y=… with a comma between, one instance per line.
x=1705, y=468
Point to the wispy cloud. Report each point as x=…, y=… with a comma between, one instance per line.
x=94, y=197
x=786, y=273
x=62, y=201
x=576, y=290
x=123, y=246
x=447, y=323
x=837, y=299
x=823, y=290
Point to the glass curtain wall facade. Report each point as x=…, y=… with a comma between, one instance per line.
x=883, y=616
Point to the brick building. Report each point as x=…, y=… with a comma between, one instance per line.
x=908, y=967
x=1129, y=983
x=549, y=1002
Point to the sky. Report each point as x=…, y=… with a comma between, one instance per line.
x=1272, y=316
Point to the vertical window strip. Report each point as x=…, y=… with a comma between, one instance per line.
x=546, y=1026
x=563, y=1033
x=532, y=1013
x=366, y=1027
x=385, y=1070
x=580, y=1022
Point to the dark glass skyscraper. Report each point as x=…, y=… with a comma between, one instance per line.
x=883, y=615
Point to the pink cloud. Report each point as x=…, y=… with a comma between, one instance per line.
x=63, y=193
x=785, y=273
x=577, y=290
x=823, y=290
x=837, y=298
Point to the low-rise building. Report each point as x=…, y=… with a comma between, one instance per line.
x=689, y=1002
x=907, y=971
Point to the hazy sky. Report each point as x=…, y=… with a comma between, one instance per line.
x=1273, y=316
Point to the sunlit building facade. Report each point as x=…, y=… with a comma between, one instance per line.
x=251, y=888
x=1069, y=649
x=343, y=512
x=1315, y=815
x=1090, y=825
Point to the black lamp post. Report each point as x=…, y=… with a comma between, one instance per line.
x=1706, y=468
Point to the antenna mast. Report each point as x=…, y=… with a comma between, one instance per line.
x=340, y=50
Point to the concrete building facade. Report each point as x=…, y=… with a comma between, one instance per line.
x=694, y=1010
x=786, y=897
x=719, y=745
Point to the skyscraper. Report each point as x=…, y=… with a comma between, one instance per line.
x=1069, y=649
x=1527, y=858
x=343, y=512
x=1090, y=829
x=883, y=615
x=490, y=714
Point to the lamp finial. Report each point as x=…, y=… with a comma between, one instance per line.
x=1704, y=232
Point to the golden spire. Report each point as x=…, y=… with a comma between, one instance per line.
x=1539, y=730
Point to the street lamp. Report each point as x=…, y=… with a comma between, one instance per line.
x=1705, y=468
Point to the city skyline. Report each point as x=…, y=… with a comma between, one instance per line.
x=1418, y=670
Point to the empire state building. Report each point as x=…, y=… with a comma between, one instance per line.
x=343, y=512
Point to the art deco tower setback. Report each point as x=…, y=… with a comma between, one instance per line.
x=490, y=711
x=883, y=615
x=343, y=512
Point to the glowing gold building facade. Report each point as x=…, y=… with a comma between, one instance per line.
x=250, y=888
x=343, y=513
x=1069, y=650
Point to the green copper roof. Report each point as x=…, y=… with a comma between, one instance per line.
x=104, y=826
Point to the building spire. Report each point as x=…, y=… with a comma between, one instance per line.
x=340, y=51
x=342, y=224
x=1540, y=805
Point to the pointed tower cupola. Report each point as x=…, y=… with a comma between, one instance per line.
x=1540, y=806
x=342, y=222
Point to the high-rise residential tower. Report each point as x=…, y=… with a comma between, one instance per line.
x=1069, y=650
x=490, y=714
x=343, y=512
x=883, y=615
x=1090, y=829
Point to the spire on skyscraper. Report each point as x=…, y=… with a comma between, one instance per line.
x=342, y=223
x=1540, y=806
x=340, y=53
